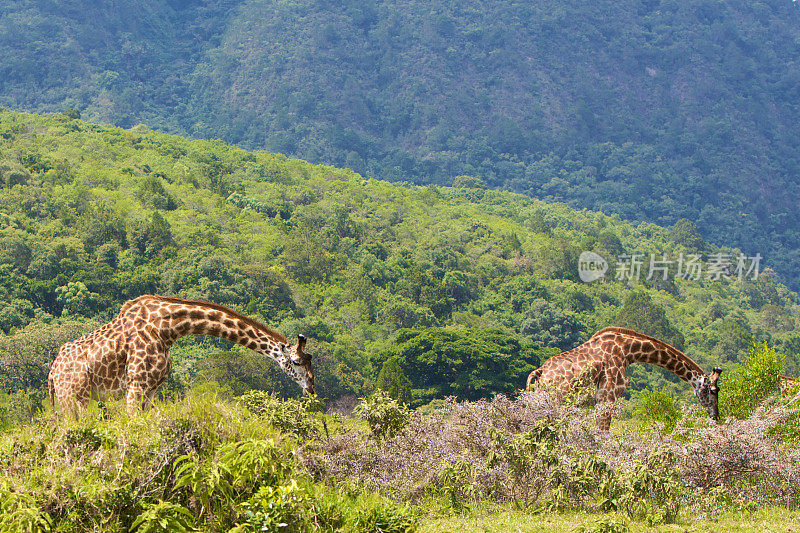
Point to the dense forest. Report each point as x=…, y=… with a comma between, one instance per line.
x=652, y=110
x=459, y=290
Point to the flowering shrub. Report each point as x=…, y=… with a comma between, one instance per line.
x=534, y=451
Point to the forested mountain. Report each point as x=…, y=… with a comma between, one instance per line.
x=464, y=288
x=654, y=110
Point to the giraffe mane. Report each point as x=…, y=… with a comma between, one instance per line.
x=657, y=342
x=247, y=320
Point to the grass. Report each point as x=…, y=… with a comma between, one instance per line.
x=500, y=520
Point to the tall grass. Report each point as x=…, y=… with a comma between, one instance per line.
x=201, y=462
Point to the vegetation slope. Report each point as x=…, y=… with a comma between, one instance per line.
x=464, y=289
x=654, y=110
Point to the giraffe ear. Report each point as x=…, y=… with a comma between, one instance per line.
x=301, y=343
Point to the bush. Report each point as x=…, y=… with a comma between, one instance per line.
x=454, y=484
x=163, y=516
x=658, y=406
x=751, y=382
x=290, y=416
x=19, y=513
x=531, y=460
x=385, y=415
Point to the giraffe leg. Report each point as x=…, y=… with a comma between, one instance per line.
x=137, y=397
x=602, y=414
x=610, y=388
x=604, y=408
x=73, y=397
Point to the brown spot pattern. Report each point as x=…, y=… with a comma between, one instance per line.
x=603, y=360
x=129, y=356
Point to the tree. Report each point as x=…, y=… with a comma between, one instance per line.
x=551, y=325
x=640, y=313
x=685, y=233
x=75, y=299
x=469, y=364
x=394, y=381
x=468, y=182
x=150, y=238
x=152, y=194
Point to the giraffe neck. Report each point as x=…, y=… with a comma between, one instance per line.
x=172, y=318
x=639, y=348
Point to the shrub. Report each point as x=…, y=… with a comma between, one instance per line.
x=386, y=416
x=658, y=406
x=454, y=484
x=750, y=382
x=20, y=513
x=275, y=509
x=294, y=417
x=163, y=516
x=238, y=470
x=531, y=460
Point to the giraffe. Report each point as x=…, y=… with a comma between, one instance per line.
x=604, y=359
x=129, y=356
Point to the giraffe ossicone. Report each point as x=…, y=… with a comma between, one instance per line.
x=129, y=356
x=604, y=358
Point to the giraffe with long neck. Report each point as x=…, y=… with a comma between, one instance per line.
x=129, y=356
x=604, y=359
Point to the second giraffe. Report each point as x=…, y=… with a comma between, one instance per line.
x=603, y=360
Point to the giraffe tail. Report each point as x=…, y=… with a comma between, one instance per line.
x=533, y=376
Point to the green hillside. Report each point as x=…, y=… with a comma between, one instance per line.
x=467, y=288
x=653, y=110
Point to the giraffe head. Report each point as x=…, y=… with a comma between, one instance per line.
x=298, y=365
x=707, y=392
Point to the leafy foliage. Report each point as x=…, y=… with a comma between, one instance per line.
x=293, y=417
x=19, y=513
x=658, y=406
x=527, y=109
x=478, y=276
x=385, y=416
x=751, y=382
x=531, y=459
x=163, y=517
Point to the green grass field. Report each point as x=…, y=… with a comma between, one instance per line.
x=498, y=520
